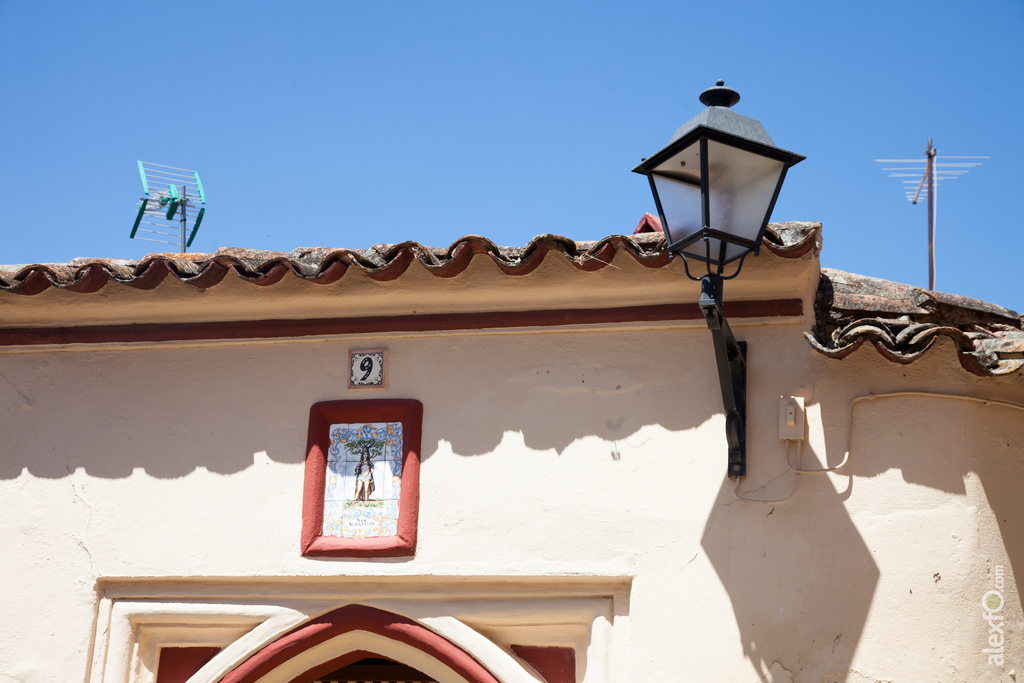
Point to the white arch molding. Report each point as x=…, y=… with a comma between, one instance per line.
x=447, y=650
x=479, y=617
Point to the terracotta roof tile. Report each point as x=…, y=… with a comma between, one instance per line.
x=381, y=262
x=903, y=323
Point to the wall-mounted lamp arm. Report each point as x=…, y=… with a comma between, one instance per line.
x=732, y=372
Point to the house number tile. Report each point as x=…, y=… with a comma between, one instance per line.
x=367, y=369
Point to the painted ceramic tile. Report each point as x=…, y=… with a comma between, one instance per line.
x=364, y=480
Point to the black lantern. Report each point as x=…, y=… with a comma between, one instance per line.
x=715, y=185
x=716, y=182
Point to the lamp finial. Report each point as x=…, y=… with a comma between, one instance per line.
x=719, y=96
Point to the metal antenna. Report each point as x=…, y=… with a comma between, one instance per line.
x=932, y=172
x=168, y=190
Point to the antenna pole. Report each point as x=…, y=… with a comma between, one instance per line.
x=934, y=172
x=931, y=215
x=184, y=204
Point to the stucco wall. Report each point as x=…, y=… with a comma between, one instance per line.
x=557, y=462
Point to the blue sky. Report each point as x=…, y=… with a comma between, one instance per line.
x=343, y=124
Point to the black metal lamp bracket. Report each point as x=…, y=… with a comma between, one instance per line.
x=732, y=372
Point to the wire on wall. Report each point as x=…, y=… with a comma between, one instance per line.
x=849, y=436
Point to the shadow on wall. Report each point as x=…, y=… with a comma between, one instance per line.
x=166, y=412
x=795, y=580
x=608, y=389
x=170, y=411
x=800, y=575
x=940, y=443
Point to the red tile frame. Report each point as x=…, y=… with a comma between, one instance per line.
x=321, y=416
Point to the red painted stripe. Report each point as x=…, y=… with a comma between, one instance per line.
x=274, y=329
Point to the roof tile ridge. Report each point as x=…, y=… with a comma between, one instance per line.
x=808, y=238
x=650, y=253
x=30, y=279
x=909, y=320
x=177, y=265
x=456, y=258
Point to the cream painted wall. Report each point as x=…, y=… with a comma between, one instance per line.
x=564, y=463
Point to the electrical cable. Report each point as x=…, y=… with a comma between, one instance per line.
x=799, y=449
x=849, y=438
x=894, y=394
x=736, y=492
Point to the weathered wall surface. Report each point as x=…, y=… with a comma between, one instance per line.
x=570, y=454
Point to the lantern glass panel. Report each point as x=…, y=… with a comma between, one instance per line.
x=741, y=185
x=680, y=202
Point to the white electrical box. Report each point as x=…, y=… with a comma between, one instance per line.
x=791, y=418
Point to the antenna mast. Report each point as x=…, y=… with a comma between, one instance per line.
x=933, y=172
x=930, y=172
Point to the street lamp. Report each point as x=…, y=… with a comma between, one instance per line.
x=715, y=185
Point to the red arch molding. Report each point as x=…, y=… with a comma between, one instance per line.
x=356, y=618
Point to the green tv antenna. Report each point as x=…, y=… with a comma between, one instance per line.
x=167, y=204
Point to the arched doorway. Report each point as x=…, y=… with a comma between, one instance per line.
x=352, y=634
x=375, y=670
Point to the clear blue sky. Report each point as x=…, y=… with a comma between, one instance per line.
x=344, y=124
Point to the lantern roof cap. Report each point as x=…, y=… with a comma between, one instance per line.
x=719, y=116
x=726, y=120
x=719, y=96
x=720, y=122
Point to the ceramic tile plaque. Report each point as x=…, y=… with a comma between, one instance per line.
x=364, y=480
x=361, y=494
